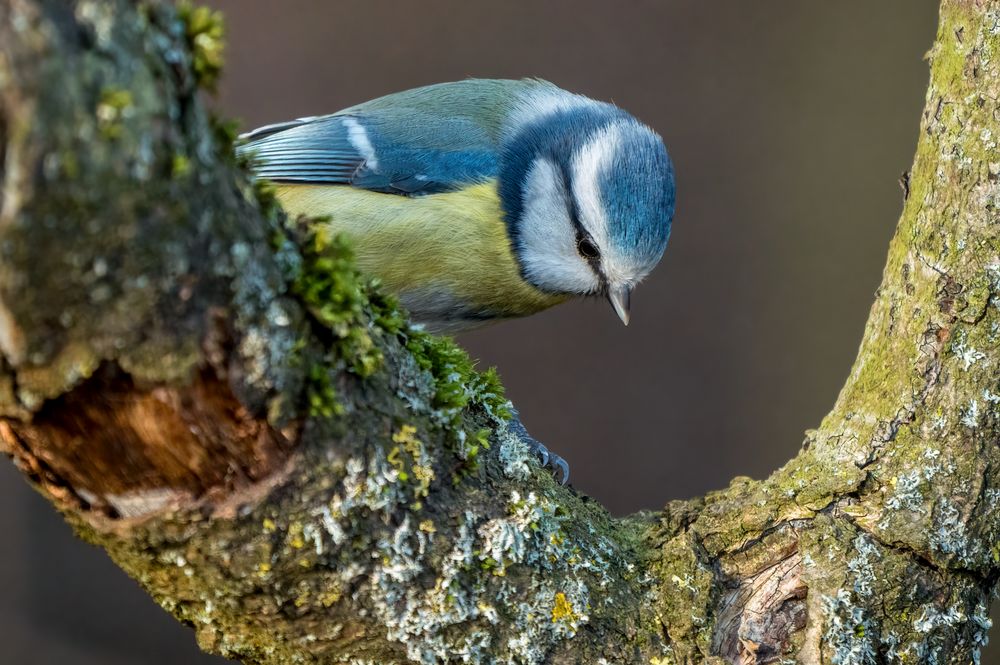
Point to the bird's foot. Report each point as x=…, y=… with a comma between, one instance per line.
x=559, y=466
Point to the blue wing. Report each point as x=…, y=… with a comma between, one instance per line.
x=395, y=150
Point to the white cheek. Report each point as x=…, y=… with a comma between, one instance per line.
x=547, y=236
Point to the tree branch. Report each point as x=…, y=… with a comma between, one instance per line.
x=212, y=394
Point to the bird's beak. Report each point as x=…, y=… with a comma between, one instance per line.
x=620, y=297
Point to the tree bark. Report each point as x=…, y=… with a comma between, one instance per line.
x=210, y=392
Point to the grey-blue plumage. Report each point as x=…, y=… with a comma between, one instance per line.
x=587, y=191
x=443, y=136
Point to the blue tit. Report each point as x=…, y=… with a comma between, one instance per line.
x=481, y=200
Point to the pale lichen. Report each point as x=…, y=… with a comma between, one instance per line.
x=851, y=632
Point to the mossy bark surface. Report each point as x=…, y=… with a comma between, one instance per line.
x=210, y=392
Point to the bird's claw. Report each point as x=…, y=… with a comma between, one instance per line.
x=559, y=466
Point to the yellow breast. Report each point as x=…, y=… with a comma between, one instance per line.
x=447, y=256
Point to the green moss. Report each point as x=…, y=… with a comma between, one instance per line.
x=457, y=384
x=337, y=296
x=205, y=30
x=225, y=132
x=458, y=387
x=112, y=108
x=321, y=395
x=180, y=167
x=70, y=165
x=267, y=200
x=385, y=310
x=450, y=366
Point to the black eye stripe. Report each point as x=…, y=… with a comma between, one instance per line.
x=574, y=212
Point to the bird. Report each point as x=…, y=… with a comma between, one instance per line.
x=481, y=200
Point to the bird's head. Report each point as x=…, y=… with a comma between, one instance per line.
x=589, y=196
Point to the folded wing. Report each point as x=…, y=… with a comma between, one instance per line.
x=398, y=150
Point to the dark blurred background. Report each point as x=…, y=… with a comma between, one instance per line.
x=789, y=124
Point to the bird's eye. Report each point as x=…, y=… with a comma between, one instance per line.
x=587, y=248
